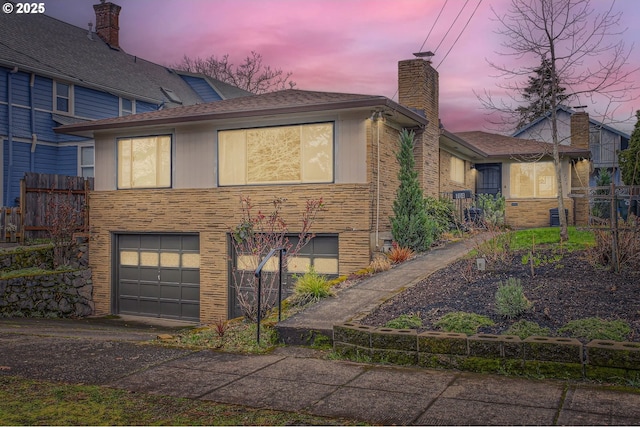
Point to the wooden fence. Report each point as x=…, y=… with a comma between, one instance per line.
x=39, y=194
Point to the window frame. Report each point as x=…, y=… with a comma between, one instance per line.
x=122, y=109
x=118, y=162
x=453, y=170
x=301, y=181
x=81, y=166
x=535, y=192
x=68, y=97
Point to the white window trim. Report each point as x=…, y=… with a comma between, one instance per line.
x=133, y=106
x=80, y=165
x=70, y=98
x=171, y=161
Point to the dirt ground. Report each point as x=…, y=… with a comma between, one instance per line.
x=564, y=287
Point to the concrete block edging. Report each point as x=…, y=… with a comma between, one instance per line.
x=553, y=357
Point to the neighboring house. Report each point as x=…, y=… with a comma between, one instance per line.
x=53, y=73
x=604, y=141
x=168, y=186
x=519, y=169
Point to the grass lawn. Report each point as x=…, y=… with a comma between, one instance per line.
x=31, y=402
x=550, y=237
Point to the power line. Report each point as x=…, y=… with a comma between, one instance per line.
x=459, y=35
x=433, y=26
x=451, y=26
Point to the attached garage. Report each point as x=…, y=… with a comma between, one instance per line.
x=157, y=275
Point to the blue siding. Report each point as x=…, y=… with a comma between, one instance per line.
x=21, y=122
x=94, y=104
x=3, y=84
x=144, y=107
x=43, y=93
x=21, y=163
x=45, y=160
x=202, y=88
x=4, y=120
x=20, y=89
x=67, y=161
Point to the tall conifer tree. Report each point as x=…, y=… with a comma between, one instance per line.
x=629, y=158
x=409, y=225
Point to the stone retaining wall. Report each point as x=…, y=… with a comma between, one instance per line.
x=555, y=357
x=63, y=294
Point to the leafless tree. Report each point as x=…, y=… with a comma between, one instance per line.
x=584, y=52
x=251, y=75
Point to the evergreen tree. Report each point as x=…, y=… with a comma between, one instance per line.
x=409, y=225
x=538, y=94
x=629, y=158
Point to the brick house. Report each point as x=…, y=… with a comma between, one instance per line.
x=168, y=183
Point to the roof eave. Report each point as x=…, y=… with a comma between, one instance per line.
x=87, y=129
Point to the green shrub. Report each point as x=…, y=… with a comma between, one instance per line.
x=510, y=299
x=525, y=329
x=405, y=321
x=310, y=287
x=442, y=213
x=595, y=328
x=493, y=208
x=464, y=323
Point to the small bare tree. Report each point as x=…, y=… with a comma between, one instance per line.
x=581, y=51
x=63, y=219
x=253, y=238
x=251, y=75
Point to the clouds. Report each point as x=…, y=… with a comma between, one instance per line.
x=330, y=45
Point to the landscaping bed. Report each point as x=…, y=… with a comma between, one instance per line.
x=565, y=287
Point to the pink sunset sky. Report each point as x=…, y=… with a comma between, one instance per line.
x=343, y=45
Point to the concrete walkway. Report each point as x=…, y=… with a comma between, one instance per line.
x=296, y=379
x=355, y=302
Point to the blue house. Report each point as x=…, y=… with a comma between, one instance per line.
x=53, y=73
x=604, y=141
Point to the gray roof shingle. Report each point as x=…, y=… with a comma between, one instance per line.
x=47, y=46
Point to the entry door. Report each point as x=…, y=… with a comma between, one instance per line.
x=489, y=178
x=158, y=275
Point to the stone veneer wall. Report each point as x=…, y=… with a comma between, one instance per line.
x=212, y=213
x=54, y=294
x=548, y=356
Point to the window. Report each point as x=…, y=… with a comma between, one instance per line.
x=284, y=154
x=62, y=101
x=457, y=169
x=86, y=161
x=530, y=180
x=127, y=107
x=144, y=162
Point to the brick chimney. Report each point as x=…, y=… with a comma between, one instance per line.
x=107, y=26
x=418, y=88
x=580, y=130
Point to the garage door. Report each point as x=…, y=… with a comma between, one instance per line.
x=321, y=253
x=158, y=275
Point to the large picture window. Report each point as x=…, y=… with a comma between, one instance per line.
x=276, y=155
x=144, y=162
x=529, y=180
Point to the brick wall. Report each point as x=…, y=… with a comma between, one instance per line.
x=531, y=213
x=212, y=213
x=418, y=88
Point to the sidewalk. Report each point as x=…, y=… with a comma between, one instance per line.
x=297, y=379
x=356, y=301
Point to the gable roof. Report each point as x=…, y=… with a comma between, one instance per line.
x=491, y=145
x=289, y=101
x=569, y=111
x=49, y=47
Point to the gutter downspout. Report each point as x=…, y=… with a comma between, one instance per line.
x=9, y=133
x=34, y=137
x=376, y=118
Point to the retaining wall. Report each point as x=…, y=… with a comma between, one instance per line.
x=555, y=357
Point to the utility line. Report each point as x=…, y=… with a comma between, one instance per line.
x=433, y=26
x=451, y=26
x=459, y=35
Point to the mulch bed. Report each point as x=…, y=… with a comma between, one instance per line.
x=563, y=289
